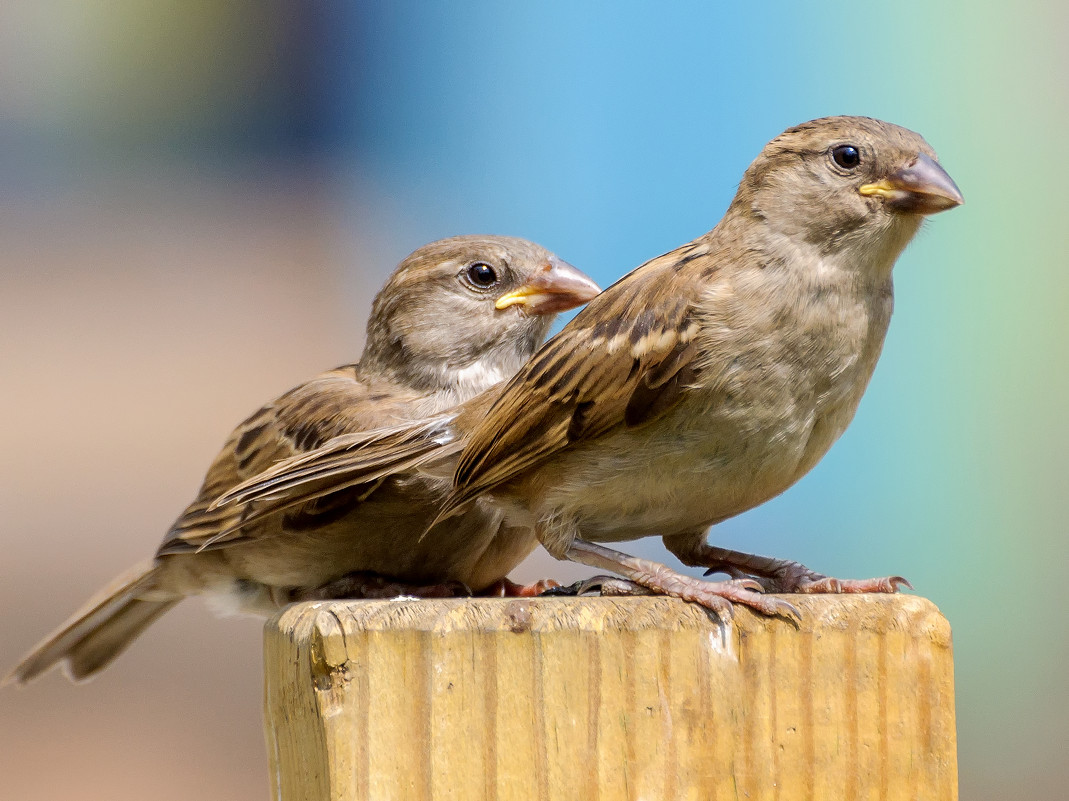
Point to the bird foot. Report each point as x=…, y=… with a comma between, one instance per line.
x=503, y=588
x=716, y=596
x=827, y=584
x=783, y=576
x=780, y=575
x=366, y=585
x=599, y=585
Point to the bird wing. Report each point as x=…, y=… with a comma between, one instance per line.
x=346, y=461
x=623, y=361
x=333, y=404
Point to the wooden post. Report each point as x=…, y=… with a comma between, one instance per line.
x=601, y=698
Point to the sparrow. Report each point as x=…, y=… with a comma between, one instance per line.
x=700, y=385
x=456, y=317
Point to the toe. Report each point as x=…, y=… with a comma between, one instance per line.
x=827, y=584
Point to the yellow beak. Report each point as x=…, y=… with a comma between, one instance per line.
x=921, y=187
x=556, y=287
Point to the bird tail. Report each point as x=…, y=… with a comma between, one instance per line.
x=99, y=631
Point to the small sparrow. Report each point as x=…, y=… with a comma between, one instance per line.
x=702, y=384
x=457, y=317
x=711, y=379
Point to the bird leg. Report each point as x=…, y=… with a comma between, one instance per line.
x=366, y=585
x=503, y=588
x=716, y=596
x=774, y=575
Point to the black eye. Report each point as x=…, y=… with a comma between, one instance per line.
x=482, y=275
x=846, y=156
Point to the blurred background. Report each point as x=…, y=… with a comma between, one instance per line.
x=199, y=199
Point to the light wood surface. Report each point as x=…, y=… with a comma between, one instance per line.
x=601, y=698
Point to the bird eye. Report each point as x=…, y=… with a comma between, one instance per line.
x=482, y=275
x=846, y=156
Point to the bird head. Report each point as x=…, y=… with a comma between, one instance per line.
x=850, y=185
x=465, y=313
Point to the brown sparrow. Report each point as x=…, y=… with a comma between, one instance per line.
x=457, y=317
x=700, y=385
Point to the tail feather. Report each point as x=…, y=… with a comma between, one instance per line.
x=99, y=631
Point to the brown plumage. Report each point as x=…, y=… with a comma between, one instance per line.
x=457, y=317
x=711, y=378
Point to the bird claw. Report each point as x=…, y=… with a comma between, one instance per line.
x=785, y=609
x=747, y=583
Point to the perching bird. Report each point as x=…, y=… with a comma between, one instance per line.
x=700, y=385
x=457, y=317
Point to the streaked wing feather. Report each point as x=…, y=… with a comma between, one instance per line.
x=307, y=416
x=340, y=464
x=624, y=360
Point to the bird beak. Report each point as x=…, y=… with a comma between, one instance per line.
x=921, y=187
x=556, y=287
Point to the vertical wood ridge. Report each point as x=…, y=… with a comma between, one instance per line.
x=606, y=699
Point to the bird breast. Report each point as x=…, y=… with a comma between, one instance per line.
x=785, y=358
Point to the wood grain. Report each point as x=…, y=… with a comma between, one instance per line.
x=599, y=698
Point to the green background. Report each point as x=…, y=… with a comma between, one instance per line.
x=152, y=153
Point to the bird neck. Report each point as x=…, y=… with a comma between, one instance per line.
x=860, y=256
x=450, y=378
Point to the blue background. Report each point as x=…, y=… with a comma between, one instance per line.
x=201, y=199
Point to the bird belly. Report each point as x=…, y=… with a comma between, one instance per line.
x=384, y=534
x=698, y=466
x=649, y=483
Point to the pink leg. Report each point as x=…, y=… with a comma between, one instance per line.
x=717, y=596
x=775, y=575
x=503, y=588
